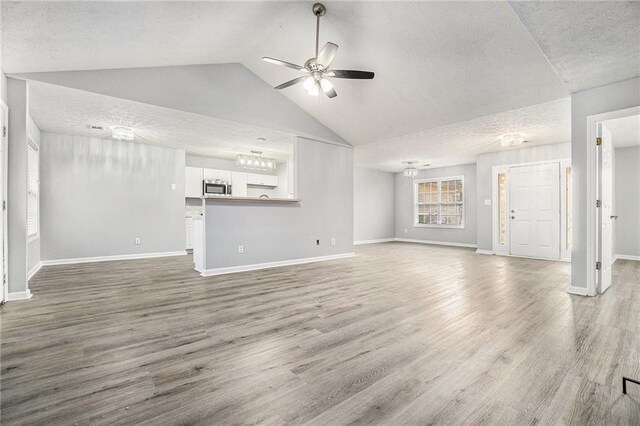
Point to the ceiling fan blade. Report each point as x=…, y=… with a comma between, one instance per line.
x=326, y=55
x=284, y=64
x=292, y=82
x=359, y=75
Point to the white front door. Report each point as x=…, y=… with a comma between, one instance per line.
x=605, y=190
x=534, y=210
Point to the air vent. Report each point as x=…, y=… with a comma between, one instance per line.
x=92, y=127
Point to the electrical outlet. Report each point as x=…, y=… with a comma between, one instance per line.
x=173, y=186
x=333, y=241
x=137, y=241
x=240, y=249
x=405, y=230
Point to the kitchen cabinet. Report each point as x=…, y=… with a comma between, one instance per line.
x=262, y=180
x=209, y=174
x=192, y=182
x=189, y=232
x=224, y=175
x=239, y=184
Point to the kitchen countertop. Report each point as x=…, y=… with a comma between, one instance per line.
x=252, y=199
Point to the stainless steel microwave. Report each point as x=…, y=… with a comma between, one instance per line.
x=216, y=187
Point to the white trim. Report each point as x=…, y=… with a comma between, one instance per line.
x=110, y=258
x=34, y=270
x=481, y=251
x=257, y=266
x=380, y=240
x=592, y=191
x=580, y=291
x=19, y=295
x=438, y=243
x=4, y=158
x=625, y=257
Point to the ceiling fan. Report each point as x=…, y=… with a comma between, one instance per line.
x=316, y=69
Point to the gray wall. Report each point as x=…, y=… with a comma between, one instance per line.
x=98, y=195
x=277, y=232
x=404, y=207
x=627, y=200
x=509, y=156
x=625, y=94
x=228, y=91
x=33, y=246
x=17, y=96
x=373, y=204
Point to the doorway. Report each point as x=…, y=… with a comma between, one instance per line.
x=532, y=210
x=618, y=197
x=4, y=134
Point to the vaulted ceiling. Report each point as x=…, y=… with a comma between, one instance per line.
x=436, y=63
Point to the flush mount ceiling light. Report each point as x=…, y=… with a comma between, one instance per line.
x=122, y=133
x=255, y=161
x=512, y=139
x=410, y=171
x=316, y=70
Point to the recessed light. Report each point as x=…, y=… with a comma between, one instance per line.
x=261, y=139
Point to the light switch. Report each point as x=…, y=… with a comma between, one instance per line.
x=487, y=202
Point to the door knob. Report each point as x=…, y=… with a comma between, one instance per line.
x=513, y=217
x=513, y=211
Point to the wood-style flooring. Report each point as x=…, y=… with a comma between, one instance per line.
x=399, y=334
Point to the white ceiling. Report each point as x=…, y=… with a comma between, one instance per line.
x=625, y=131
x=589, y=43
x=460, y=143
x=436, y=63
x=58, y=109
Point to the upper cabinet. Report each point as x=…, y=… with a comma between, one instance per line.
x=262, y=180
x=213, y=174
x=192, y=182
x=239, y=184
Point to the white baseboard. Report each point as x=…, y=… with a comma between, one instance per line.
x=580, y=291
x=110, y=258
x=381, y=240
x=625, y=257
x=256, y=266
x=482, y=251
x=19, y=295
x=438, y=243
x=34, y=270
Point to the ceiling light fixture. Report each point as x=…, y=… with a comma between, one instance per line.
x=512, y=139
x=255, y=161
x=410, y=171
x=123, y=133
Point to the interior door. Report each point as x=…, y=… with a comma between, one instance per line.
x=3, y=191
x=605, y=195
x=534, y=201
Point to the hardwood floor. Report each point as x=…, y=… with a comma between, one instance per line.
x=400, y=334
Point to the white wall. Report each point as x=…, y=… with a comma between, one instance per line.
x=227, y=91
x=508, y=156
x=404, y=190
x=33, y=246
x=613, y=97
x=98, y=195
x=273, y=232
x=373, y=204
x=627, y=201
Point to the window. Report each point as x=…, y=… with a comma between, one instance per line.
x=33, y=189
x=439, y=202
x=502, y=209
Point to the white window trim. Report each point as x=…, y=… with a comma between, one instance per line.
x=439, y=179
x=36, y=235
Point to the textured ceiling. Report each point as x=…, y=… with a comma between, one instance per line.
x=589, y=44
x=58, y=109
x=436, y=63
x=460, y=143
x=625, y=131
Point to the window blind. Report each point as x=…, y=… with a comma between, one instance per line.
x=440, y=202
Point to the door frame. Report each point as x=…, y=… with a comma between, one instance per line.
x=4, y=164
x=593, y=231
x=505, y=250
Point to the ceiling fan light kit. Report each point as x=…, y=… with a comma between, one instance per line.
x=316, y=69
